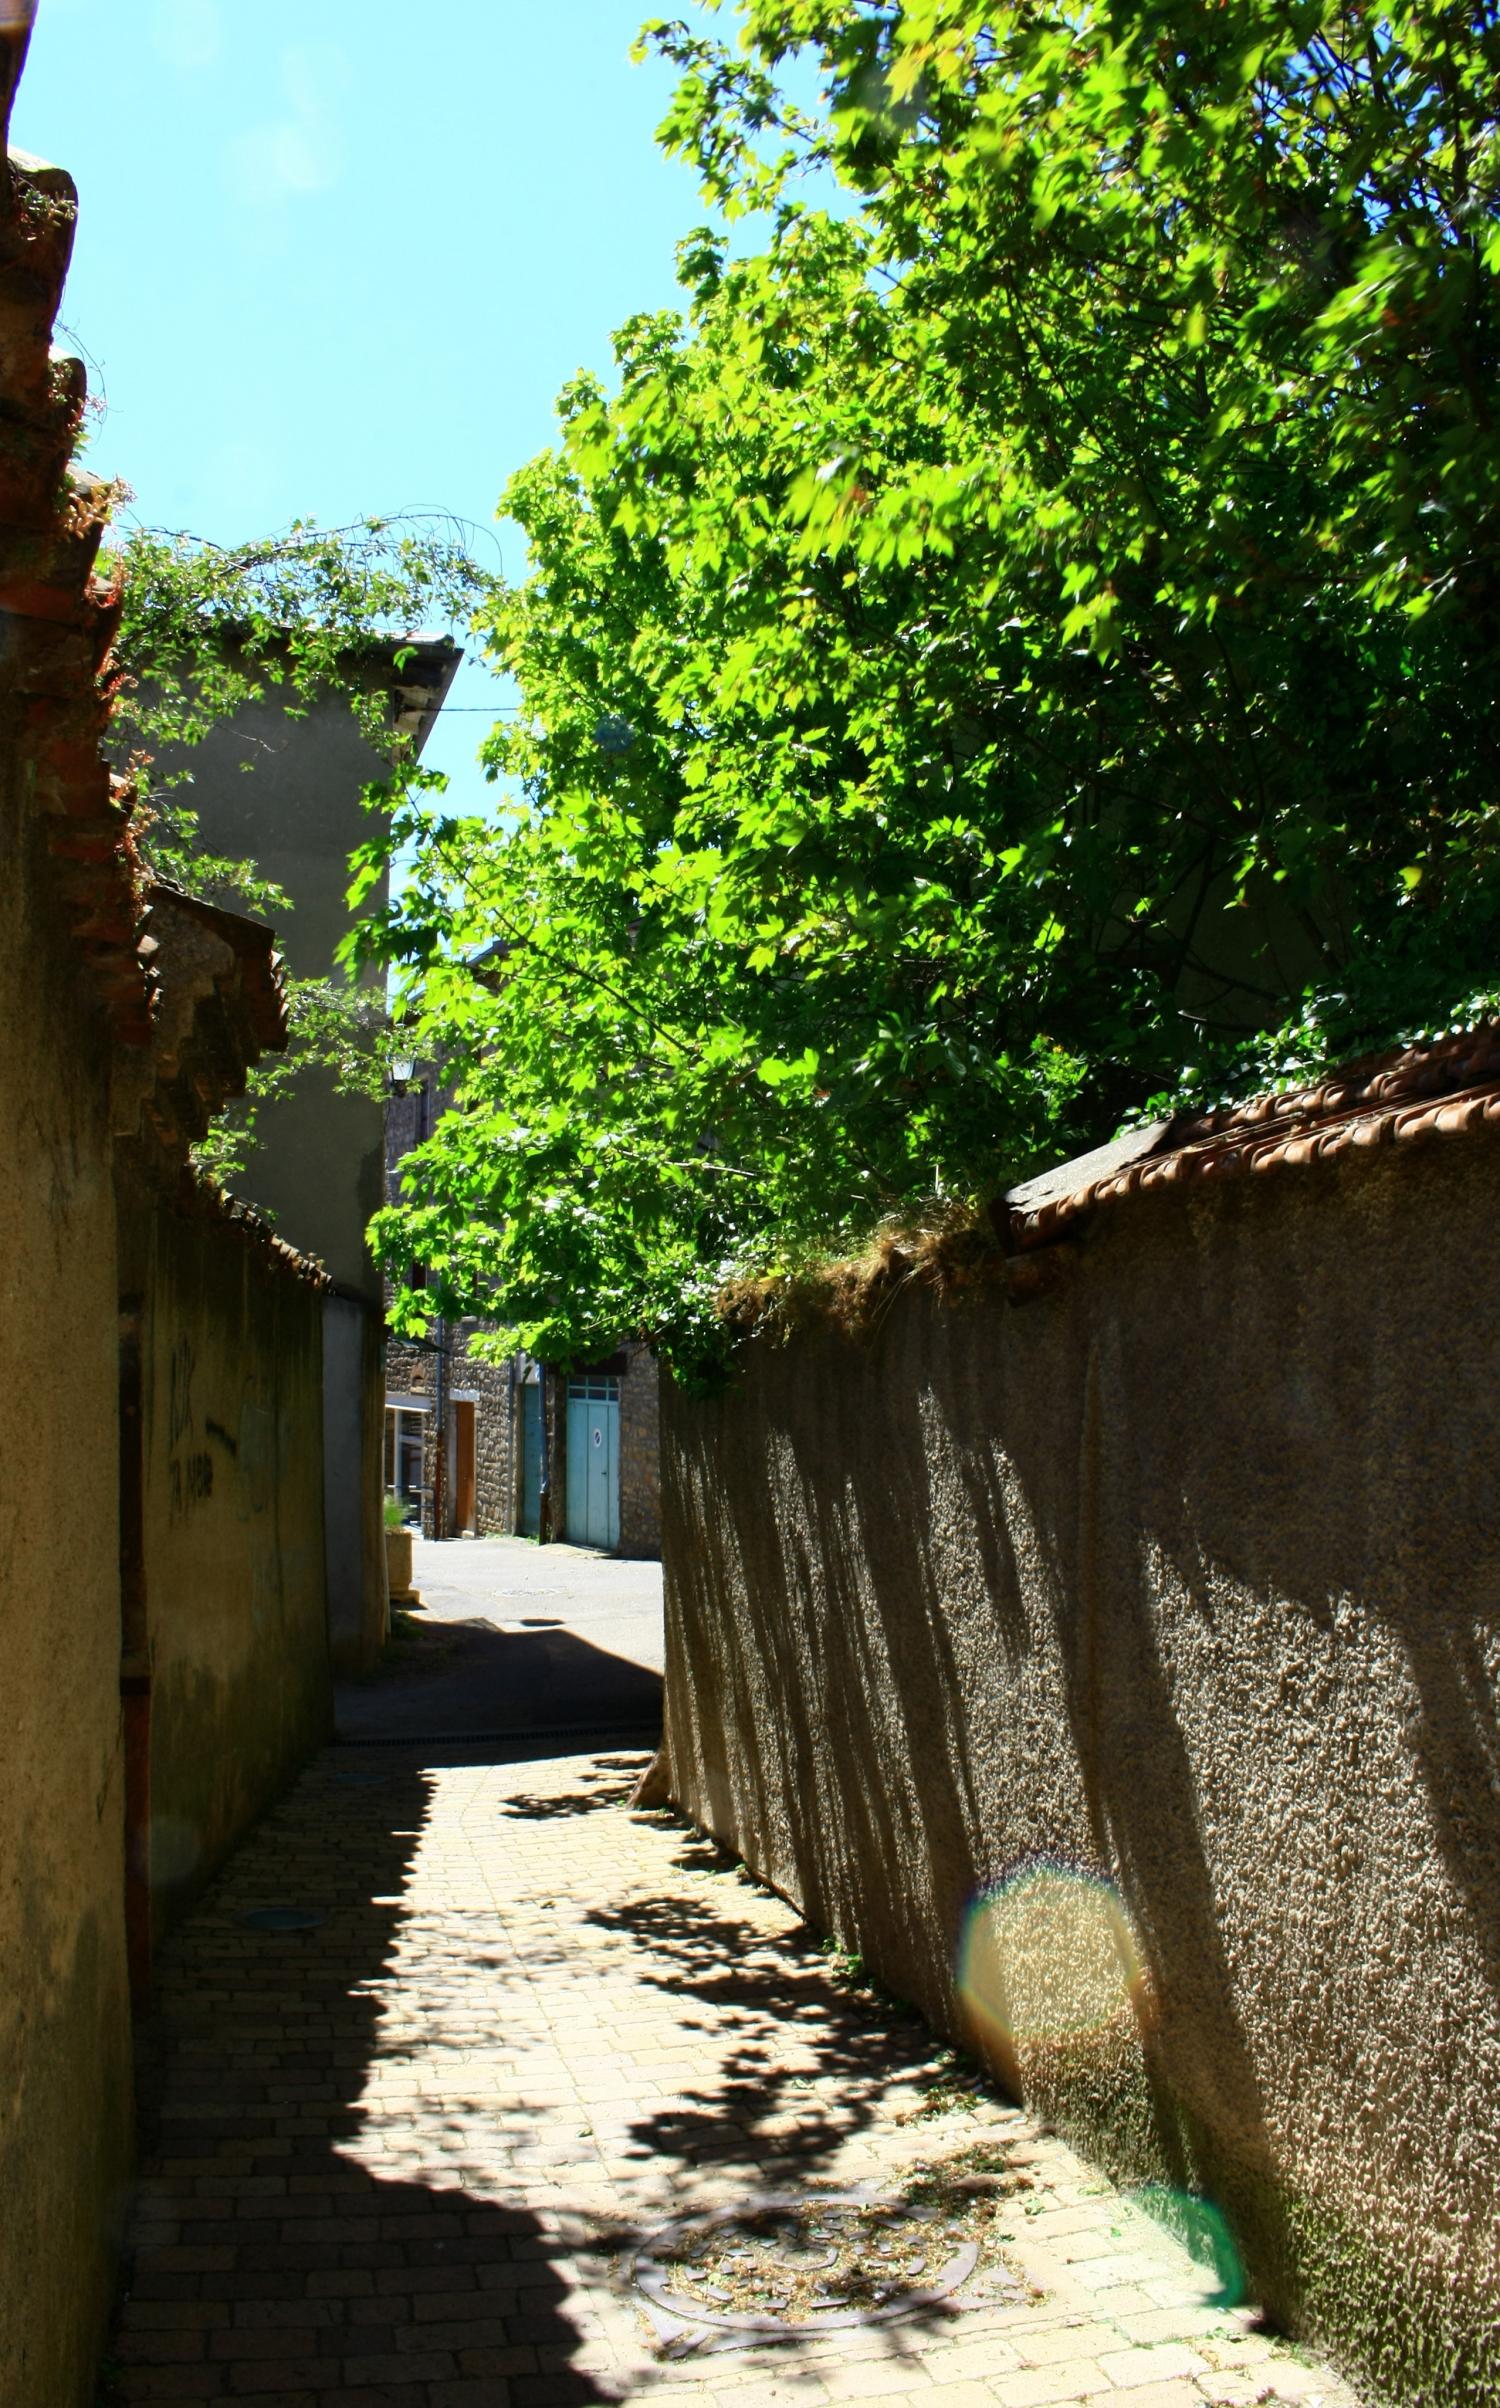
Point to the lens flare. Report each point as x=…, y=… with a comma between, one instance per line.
x=1047, y=1956
x=1205, y=2235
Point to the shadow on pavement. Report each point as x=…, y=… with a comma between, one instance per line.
x=783, y=1997
x=607, y=1781
x=268, y=2259
x=468, y=1680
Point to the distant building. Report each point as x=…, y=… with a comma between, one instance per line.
x=473, y=1448
x=317, y=1164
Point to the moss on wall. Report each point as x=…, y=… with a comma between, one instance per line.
x=1118, y=1671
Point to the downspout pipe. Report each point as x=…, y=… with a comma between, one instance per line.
x=440, y=1436
x=543, y=1533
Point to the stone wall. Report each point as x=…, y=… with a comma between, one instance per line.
x=412, y=1371
x=1116, y=1670
x=640, y=1454
x=496, y=1473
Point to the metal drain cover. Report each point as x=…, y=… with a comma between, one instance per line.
x=791, y=2265
x=283, y=1918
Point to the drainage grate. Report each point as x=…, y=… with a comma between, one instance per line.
x=283, y=1918
x=792, y=2265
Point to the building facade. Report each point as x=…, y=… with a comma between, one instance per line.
x=316, y=1166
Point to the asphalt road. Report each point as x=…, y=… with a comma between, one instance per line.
x=516, y=1639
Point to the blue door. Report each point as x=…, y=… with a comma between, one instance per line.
x=593, y=1499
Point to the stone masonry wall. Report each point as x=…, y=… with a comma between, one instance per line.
x=640, y=1454
x=495, y=1468
x=1117, y=1672
x=412, y=1371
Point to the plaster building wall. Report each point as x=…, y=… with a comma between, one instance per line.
x=286, y=792
x=73, y=990
x=1117, y=1670
x=233, y=1527
x=129, y=1015
x=65, y=2081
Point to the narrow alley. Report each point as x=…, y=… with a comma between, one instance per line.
x=466, y=2085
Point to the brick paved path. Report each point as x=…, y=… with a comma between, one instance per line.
x=403, y=2157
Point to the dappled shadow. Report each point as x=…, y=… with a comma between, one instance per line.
x=286, y=2239
x=360, y=2185
x=1182, y=1578
x=846, y=1708
x=601, y=1787
x=814, y=2058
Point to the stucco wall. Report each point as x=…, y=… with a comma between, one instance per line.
x=353, y=1476
x=233, y=1457
x=1161, y=1614
x=64, y=2010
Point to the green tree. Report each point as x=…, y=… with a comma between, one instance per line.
x=1021, y=645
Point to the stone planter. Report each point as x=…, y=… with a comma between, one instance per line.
x=398, y=1566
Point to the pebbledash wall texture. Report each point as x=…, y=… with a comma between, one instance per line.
x=1111, y=1657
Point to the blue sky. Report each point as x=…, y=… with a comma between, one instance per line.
x=337, y=256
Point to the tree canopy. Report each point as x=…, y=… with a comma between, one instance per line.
x=1021, y=644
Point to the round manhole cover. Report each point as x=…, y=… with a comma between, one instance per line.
x=809, y=2262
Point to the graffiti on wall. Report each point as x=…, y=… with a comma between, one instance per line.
x=190, y=1467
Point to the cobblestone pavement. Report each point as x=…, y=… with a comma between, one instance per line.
x=484, y=2032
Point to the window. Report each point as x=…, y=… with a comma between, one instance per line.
x=405, y=1446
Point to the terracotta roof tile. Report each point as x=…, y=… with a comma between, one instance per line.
x=1448, y=1088
x=204, y=1199
x=57, y=618
x=221, y=1005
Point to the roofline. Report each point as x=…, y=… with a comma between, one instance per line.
x=1445, y=1088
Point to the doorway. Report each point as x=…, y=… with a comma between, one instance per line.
x=463, y=1467
x=593, y=1494
x=405, y=1458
